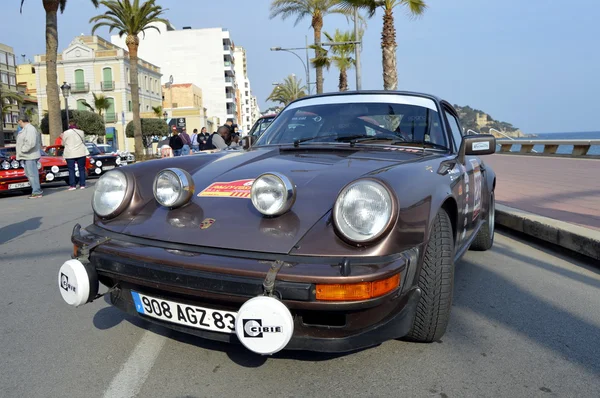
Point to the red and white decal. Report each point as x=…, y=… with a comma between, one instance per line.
x=231, y=189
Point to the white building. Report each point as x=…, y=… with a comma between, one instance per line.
x=203, y=57
x=254, y=109
x=247, y=116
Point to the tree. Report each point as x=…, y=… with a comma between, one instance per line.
x=291, y=89
x=316, y=10
x=158, y=111
x=91, y=123
x=101, y=103
x=51, y=7
x=151, y=128
x=388, y=34
x=131, y=19
x=341, y=55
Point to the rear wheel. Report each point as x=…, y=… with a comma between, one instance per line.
x=485, y=237
x=436, y=282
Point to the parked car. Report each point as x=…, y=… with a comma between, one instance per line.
x=257, y=129
x=330, y=234
x=126, y=157
x=12, y=171
x=54, y=165
x=99, y=163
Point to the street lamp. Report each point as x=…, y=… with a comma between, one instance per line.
x=289, y=50
x=66, y=90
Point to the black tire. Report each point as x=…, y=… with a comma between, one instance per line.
x=485, y=237
x=436, y=282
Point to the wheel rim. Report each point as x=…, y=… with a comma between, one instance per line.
x=492, y=215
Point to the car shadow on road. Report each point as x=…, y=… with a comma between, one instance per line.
x=17, y=229
x=109, y=317
x=503, y=302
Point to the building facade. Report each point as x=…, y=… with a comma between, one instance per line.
x=92, y=65
x=184, y=101
x=26, y=78
x=247, y=114
x=203, y=57
x=8, y=84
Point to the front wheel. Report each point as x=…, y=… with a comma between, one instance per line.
x=436, y=282
x=485, y=237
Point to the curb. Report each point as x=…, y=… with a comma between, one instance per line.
x=582, y=240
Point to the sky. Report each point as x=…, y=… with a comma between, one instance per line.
x=531, y=63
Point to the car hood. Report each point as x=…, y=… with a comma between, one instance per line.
x=48, y=161
x=231, y=221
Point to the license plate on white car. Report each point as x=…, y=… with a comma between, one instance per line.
x=184, y=314
x=108, y=167
x=19, y=185
x=62, y=174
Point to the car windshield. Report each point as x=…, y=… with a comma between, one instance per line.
x=8, y=152
x=93, y=149
x=261, y=125
x=55, y=151
x=404, y=120
x=106, y=148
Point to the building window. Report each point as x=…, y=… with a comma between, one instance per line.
x=146, y=83
x=12, y=80
x=147, y=108
x=247, y=102
x=128, y=77
x=11, y=59
x=130, y=107
x=174, y=104
x=2, y=57
x=15, y=118
x=246, y=86
x=247, y=110
x=4, y=78
x=246, y=93
x=248, y=118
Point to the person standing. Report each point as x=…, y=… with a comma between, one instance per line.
x=75, y=153
x=29, y=146
x=195, y=141
x=187, y=142
x=204, y=136
x=176, y=143
x=218, y=140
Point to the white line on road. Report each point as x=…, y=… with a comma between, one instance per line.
x=132, y=376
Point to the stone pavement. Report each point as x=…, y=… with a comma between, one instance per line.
x=565, y=189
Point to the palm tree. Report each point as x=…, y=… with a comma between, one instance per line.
x=158, y=111
x=316, y=10
x=388, y=34
x=341, y=55
x=131, y=18
x=101, y=103
x=51, y=7
x=291, y=89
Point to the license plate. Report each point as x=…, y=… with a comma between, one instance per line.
x=184, y=314
x=62, y=174
x=108, y=167
x=19, y=185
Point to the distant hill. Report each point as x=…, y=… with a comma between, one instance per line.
x=480, y=121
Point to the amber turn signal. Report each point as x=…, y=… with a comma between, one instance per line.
x=357, y=291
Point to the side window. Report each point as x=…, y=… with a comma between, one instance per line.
x=455, y=127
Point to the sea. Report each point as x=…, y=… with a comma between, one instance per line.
x=563, y=149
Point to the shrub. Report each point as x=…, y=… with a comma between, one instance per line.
x=91, y=123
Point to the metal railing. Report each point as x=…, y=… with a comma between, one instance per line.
x=110, y=117
x=107, y=86
x=80, y=87
x=580, y=147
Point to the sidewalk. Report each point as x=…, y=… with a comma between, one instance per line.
x=560, y=188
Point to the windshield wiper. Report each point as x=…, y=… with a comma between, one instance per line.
x=428, y=144
x=348, y=137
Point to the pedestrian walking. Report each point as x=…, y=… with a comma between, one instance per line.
x=29, y=146
x=75, y=154
x=195, y=142
x=187, y=142
x=176, y=143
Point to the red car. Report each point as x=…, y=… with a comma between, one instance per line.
x=55, y=166
x=12, y=172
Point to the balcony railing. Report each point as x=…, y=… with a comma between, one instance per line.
x=107, y=86
x=549, y=147
x=110, y=117
x=80, y=87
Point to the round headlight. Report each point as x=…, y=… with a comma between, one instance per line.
x=109, y=193
x=99, y=163
x=14, y=164
x=272, y=194
x=118, y=161
x=39, y=165
x=173, y=187
x=49, y=177
x=54, y=169
x=5, y=165
x=363, y=211
x=97, y=170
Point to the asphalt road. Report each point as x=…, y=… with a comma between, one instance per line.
x=525, y=323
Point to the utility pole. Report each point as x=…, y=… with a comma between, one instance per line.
x=357, y=49
x=307, y=66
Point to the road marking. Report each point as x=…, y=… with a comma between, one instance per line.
x=134, y=372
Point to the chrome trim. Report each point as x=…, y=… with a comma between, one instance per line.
x=186, y=183
x=290, y=193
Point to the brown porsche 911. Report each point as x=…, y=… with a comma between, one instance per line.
x=338, y=229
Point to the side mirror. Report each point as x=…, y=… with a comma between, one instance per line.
x=477, y=145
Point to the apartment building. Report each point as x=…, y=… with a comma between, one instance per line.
x=246, y=119
x=185, y=104
x=27, y=79
x=91, y=65
x=203, y=57
x=8, y=83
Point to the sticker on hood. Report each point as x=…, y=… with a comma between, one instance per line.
x=231, y=189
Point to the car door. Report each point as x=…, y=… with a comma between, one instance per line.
x=470, y=186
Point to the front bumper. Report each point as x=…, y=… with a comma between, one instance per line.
x=225, y=283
